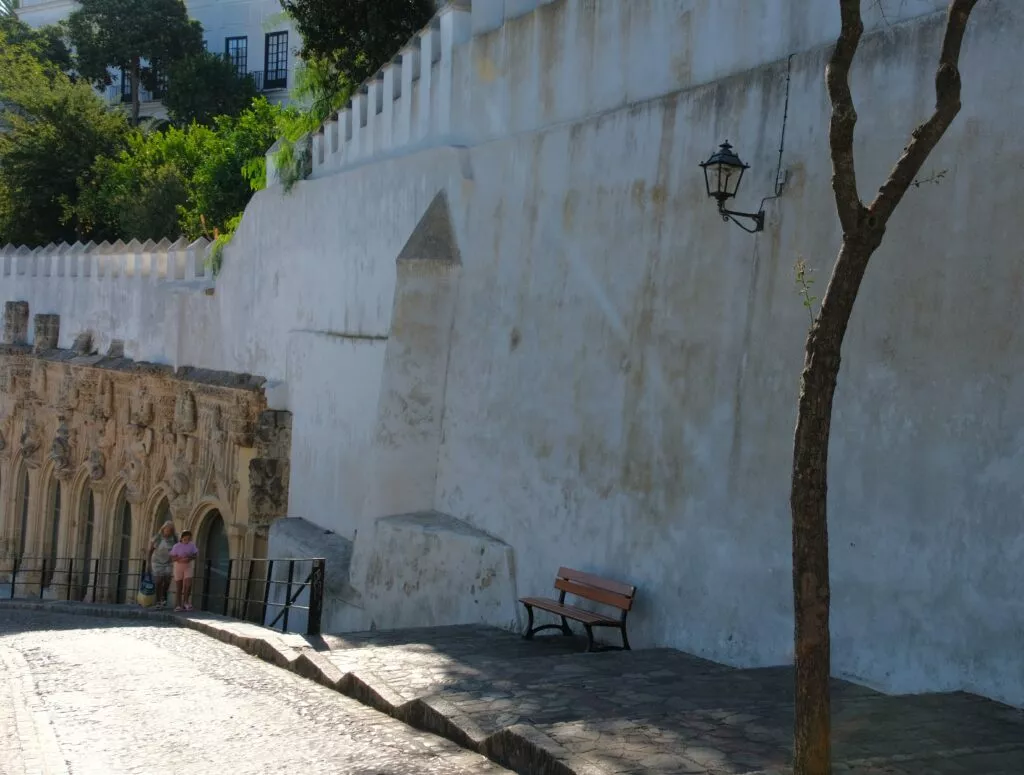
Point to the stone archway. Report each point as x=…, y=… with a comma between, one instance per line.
x=214, y=561
x=122, y=534
x=83, y=569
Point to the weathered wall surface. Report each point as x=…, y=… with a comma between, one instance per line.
x=622, y=367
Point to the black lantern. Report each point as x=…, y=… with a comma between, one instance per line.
x=722, y=175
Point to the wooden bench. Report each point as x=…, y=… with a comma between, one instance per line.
x=588, y=587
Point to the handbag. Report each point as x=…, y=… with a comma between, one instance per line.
x=147, y=590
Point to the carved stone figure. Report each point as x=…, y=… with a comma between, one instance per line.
x=137, y=451
x=185, y=413
x=141, y=408
x=39, y=379
x=29, y=441
x=268, y=488
x=67, y=394
x=104, y=399
x=97, y=465
x=60, y=451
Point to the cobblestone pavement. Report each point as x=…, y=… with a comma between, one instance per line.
x=85, y=695
x=664, y=712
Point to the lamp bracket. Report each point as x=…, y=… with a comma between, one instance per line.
x=732, y=215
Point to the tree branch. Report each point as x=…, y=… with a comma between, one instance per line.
x=927, y=135
x=844, y=116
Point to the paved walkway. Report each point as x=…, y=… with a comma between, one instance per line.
x=538, y=708
x=664, y=712
x=91, y=695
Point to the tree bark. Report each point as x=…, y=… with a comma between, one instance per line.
x=863, y=230
x=135, y=91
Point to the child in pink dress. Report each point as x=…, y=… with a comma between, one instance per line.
x=183, y=557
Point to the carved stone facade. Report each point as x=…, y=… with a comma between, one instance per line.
x=96, y=451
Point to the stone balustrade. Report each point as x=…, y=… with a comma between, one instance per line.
x=164, y=260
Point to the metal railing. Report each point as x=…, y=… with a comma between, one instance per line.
x=120, y=91
x=269, y=587
x=264, y=591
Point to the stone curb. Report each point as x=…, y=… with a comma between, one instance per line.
x=521, y=748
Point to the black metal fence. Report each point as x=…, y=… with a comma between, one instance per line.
x=274, y=593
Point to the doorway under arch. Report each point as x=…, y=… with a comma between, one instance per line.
x=84, y=560
x=123, y=545
x=53, y=539
x=24, y=494
x=161, y=515
x=215, y=562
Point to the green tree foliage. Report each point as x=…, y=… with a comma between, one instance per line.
x=232, y=168
x=356, y=37
x=46, y=43
x=193, y=180
x=138, y=192
x=206, y=85
x=142, y=37
x=51, y=131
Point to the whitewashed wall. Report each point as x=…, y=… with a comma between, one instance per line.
x=622, y=377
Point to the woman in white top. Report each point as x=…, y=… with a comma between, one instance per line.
x=160, y=560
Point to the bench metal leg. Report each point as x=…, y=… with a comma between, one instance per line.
x=531, y=630
x=590, y=638
x=625, y=640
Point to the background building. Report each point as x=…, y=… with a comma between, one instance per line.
x=255, y=34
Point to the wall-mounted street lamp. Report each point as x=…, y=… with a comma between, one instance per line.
x=722, y=175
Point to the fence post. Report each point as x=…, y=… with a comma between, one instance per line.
x=206, y=585
x=227, y=587
x=288, y=595
x=246, y=602
x=42, y=579
x=316, y=597
x=95, y=576
x=266, y=592
x=14, y=576
x=70, y=581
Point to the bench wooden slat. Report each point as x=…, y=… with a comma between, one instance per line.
x=585, y=586
x=627, y=590
x=569, y=611
x=596, y=594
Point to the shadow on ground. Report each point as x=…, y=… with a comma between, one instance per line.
x=543, y=707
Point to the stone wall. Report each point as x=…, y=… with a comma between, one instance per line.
x=619, y=375
x=78, y=425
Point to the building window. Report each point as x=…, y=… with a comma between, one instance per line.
x=144, y=94
x=275, y=61
x=237, y=52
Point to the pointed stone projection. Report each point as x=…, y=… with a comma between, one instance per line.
x=415, y=367
x=433, y=239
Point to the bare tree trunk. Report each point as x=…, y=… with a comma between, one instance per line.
x=863, y=230
x=135, y=91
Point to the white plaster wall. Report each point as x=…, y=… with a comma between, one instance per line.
x=622, y=381
x=642, y=427
x=39, y=13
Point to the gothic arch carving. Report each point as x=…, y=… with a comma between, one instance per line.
x=152, y=432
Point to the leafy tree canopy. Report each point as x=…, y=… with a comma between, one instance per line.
x=193, y=180
x=356, y=37
x=53, y=130
x=46, y=43
x=206, y=85
x=143, y=37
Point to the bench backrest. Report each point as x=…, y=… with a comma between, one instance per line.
x=591, y=587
